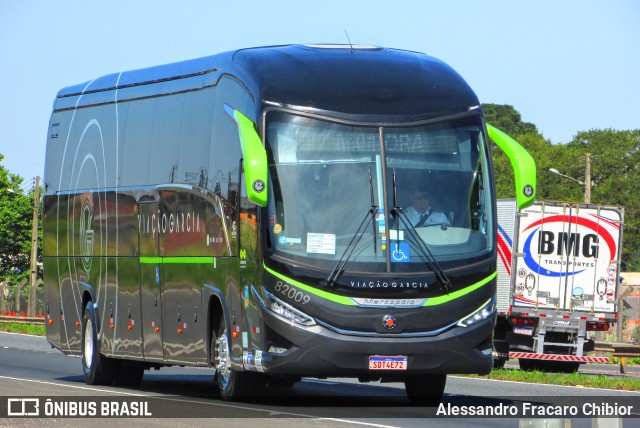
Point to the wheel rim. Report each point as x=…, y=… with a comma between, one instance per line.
x=223, y=365
x=88, y=343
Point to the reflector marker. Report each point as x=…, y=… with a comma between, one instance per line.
x=553, y=357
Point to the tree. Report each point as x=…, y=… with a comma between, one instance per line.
x=615, y=174
x=508, y=120
x=615, y=169
x=16, y=211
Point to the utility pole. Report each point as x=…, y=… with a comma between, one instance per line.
x=587, y=179
x=34, y=250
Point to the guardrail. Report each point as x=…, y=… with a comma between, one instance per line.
x=22, y=320
x=620, y=350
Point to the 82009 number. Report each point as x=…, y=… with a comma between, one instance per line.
x=292, y=293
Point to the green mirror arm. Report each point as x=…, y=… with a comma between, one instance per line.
x=524, y=167
x=256, y=169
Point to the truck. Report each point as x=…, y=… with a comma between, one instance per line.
x=558, y=270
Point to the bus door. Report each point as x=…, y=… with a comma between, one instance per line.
x=151, y=279
x=247, y=231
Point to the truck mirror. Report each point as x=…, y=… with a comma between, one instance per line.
x=255, y=157
x=524, y=167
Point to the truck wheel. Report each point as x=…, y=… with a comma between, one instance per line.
x=566, y=366
x=498, y=363
x=528, y=365
x=425, y=390
x=98, y=369
x=232, y=384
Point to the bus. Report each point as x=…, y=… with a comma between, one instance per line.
x=247, y=211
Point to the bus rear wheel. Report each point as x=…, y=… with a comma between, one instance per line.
x=129, y=373
x=233, y=384
x=98, y=369
x=425, y=390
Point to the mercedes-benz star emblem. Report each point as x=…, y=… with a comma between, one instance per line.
x=389, y=322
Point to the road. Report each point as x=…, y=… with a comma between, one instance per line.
x=183, y=397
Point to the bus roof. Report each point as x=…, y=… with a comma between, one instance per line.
x=352, y=80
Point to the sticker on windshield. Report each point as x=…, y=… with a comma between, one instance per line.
x=286, y=240
x=321, y=243
x=400, y=252
x=381, y=223
x=396, y=235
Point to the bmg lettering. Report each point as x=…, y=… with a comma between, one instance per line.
x=568, y=244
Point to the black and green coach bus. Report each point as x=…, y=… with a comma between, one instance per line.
x=247, y=212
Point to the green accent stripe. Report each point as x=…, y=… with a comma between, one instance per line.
x=175, y=260
x=151, y=260
x=347, y=301
x=451, y=296
x=342, y=300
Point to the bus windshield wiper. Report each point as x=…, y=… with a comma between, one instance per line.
x=353, y=243
x=423, y=248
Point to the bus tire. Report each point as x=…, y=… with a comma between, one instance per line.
x=129, y=373
x=283, y=381
x=232, y=384
x=425, y=390
x=98, y=369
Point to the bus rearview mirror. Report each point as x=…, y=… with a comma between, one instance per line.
x=255, y=158
x=524, y=167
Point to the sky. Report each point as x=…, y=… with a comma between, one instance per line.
x=566, y=66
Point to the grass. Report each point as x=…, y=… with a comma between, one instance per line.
x=573, y=379
x=12, y=327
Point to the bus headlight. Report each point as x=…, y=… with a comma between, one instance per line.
x=485, y=311
x=287, y=311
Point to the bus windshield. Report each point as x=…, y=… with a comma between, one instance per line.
x=386, y=198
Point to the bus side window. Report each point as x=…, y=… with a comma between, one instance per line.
x=195, y=139
x=167, y=121
x=137, y=143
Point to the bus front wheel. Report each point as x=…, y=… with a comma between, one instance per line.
x=425, y=390
x=233, y=384
x=98, y=370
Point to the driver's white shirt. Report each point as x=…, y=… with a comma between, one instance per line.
x=436, y=216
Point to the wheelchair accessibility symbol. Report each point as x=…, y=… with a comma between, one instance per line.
x=400, y=252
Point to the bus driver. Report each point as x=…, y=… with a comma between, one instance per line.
x=420, y=213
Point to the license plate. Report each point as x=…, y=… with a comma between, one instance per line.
x=527, y=331
x=377, y=362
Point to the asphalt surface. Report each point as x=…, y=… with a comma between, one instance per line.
x=29, y=367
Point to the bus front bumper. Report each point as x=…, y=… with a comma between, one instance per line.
x=318, y=351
